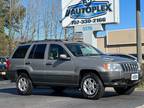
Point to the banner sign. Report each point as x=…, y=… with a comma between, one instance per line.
x=83, y=12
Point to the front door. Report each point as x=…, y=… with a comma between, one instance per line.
x=59, y=71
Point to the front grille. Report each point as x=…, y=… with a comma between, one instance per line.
x=129, y=67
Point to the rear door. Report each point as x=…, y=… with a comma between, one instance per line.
x=35, y=62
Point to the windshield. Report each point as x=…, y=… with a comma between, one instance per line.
x=81, y=49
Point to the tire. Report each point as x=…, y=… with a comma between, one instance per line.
x=92, y=87
x=24, y=85
x=58, y=89
x=124, y=90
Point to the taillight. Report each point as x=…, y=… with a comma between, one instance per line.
x=7, y=64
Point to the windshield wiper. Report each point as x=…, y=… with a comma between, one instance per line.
x=93, y=54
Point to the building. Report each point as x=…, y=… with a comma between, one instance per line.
x=120, y=41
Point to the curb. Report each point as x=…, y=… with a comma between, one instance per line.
x=139, y=89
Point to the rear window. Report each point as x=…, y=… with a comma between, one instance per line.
x=21, y=51
x=37, y=51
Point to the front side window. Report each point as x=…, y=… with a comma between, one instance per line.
x=81, y=49
x=38, y=51
x=21, y=51
x=55, y=51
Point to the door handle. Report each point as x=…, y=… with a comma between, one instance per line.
x=49, y=63
x=28, y=63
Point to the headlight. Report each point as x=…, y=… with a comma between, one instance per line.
x=112, y=67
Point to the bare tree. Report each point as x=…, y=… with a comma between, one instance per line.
x=13, y=18
x=46, y=18
x=56, y=16
x=30, y=21
x=43, y=20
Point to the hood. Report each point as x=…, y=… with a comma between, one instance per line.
x=96, y=62
x=106, y=59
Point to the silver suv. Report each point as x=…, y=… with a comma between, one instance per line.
x=61, y=64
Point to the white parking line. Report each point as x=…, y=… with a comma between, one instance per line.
x=140, y=106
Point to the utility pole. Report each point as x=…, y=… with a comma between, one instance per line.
x=138, y=31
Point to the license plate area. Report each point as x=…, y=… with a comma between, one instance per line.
x=134, y=77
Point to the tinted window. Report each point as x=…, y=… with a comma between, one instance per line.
x=32, y=51
x=38, y=51
x=80, y=49
x=21, y=51
x=55, y=51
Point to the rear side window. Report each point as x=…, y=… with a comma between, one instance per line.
x=37, y=51
x=21, y=51
x=32, y=51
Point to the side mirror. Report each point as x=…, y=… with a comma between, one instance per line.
x=64, y=57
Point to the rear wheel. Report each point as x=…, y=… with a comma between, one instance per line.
x=124, y=90
x=24, y=85
x=91, y=86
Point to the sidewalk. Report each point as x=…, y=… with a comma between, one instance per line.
x=5, y=82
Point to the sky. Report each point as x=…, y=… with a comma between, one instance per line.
x=127, y=15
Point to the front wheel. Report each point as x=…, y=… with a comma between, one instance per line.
x=124, y=90
x=92, y=87
x=24, y=85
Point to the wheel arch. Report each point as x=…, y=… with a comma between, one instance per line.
x=23, y=71
x=84, y=72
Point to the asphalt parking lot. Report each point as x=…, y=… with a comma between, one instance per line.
x=47, y=98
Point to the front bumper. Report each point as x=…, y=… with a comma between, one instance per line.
x=112, y=79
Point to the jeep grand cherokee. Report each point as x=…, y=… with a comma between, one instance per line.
x=61, y=64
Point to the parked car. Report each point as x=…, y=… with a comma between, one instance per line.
x=4, y=65
x=62, y=64
x=125, y=56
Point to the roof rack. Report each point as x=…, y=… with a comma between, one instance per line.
x=46, y=40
